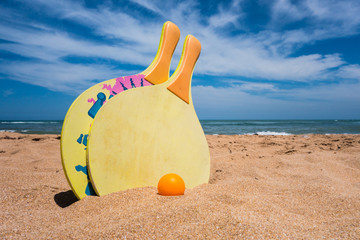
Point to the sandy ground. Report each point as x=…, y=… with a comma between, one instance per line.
x=261, y=187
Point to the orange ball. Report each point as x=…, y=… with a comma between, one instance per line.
x=171, y=185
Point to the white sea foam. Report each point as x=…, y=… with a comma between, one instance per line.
x=342, y=133
x=273, y=133
x=7, y=130
x=270, y=133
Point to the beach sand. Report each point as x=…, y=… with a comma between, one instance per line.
x=261, y=187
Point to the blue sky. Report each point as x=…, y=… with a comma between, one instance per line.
x=260, y=59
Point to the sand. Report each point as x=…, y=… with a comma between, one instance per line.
x=261, y=187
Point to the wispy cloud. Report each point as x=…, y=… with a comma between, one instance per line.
x=7, y=92
x=230, y=48
x=234, y=102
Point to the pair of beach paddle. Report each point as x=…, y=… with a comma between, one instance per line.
x=128, y=132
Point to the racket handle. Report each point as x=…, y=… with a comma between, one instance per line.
x=160, y=68
x=181, y=79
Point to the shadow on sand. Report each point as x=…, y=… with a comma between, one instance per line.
x=65, y=199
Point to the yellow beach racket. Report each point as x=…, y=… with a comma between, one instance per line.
x=145, y=133
x=74, y=135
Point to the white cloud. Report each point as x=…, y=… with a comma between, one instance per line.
x=266, y=54
x=345, y=12
x=148, y=5
x=324, y=102
x=325, y=19
x=229, y=15
x=51, y=45
x=246, y=86
x=283, y=11
x=61, y=76
x=349, y=72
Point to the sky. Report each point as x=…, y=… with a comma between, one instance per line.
x=260, y=59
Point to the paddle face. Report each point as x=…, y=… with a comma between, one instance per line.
x=143, y=134
x=76, y=126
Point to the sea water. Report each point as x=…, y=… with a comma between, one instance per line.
x=39, y=127
x=281, y=127
x=229, y=127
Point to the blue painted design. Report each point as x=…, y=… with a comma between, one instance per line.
x=85, y=139
x=80, y=138
x=115, y=93
x=101, y=97
x=82, y=169
x=142, y=82
x=89, y=190
x=132, y=83
x=123, y=86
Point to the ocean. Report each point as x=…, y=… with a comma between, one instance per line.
x=213, y=127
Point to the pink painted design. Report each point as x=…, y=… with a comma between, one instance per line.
x=124, y=83
x=107, y=87
x=121, y=84
x=118, y=86
x=91, y=100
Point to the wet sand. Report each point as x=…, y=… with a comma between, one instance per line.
x=261, y=187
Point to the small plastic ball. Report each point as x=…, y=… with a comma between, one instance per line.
x=171, y=185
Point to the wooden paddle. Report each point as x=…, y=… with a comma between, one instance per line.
x=74, y=135
x=145, y=133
